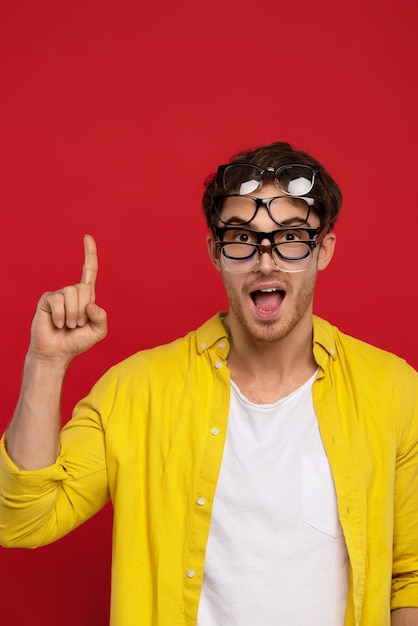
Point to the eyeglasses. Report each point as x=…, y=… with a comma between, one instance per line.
x=242, y=209
x=244, y=178
x=290, y=248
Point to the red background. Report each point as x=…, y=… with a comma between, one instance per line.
x=112, y=116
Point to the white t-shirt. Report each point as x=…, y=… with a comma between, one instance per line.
x=276, y=555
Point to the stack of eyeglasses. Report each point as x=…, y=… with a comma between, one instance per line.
x=244, y=178
x=290, y=246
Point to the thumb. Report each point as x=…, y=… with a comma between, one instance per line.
x=97, y=318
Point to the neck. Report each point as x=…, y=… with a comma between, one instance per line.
x=267, y=370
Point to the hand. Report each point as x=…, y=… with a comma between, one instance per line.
x=67, y=322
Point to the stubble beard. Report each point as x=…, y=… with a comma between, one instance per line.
x=261, y=331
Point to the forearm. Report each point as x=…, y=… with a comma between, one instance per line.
x=67, y=322
x=405, y=617
x=32, y=438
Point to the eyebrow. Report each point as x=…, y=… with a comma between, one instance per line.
x=290, y=221
x=236, y=220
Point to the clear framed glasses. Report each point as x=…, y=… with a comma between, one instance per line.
x=290, y=248
x=243, y=209
x=244, y=178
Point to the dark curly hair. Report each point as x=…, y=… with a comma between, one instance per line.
x=326, y=192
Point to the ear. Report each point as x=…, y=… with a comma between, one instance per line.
x=213, y=252
x=326, y=250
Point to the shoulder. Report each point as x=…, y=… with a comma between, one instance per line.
x=168, y=360
x=158, y=376
x=357, y=354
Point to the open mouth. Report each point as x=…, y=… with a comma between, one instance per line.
x=268, y=300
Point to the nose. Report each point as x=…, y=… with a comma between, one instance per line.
x=265, y=260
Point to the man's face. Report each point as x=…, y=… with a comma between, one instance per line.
x=267, y=303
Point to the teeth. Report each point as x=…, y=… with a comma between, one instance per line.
x=268, y=290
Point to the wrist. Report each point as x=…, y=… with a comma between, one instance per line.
x=39, y=366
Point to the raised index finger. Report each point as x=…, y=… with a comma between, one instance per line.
x=91, y=264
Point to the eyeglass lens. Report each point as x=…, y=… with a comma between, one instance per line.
x=286, y=256
x=284, y=211
x=294, y=180
x=290, y=249
x=251, y=254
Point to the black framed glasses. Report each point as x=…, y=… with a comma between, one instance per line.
x=290, y=248
x=244, y=178
x=243, y=209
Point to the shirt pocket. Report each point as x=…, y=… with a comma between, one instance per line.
x=319, y=506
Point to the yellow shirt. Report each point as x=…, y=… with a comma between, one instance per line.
x=150, y=437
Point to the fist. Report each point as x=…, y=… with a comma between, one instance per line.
x=68, y=321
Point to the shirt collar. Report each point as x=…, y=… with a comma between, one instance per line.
x=214, y=331
x=323, y=341
x=211, y=332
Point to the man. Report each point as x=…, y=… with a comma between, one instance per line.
x=262, y=469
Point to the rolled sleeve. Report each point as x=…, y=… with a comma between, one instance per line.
x=38, y=507
x=405, y=538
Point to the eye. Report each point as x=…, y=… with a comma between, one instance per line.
x=243, y=237
x=292, y=235
x=239, y=236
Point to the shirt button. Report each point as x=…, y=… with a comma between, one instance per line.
x=221, y=345
x=203, y=345
x=218, y=364
x=190, y=573
x=214, y=431
x=201, y=501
